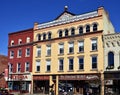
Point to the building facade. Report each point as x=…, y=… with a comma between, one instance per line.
x=68, y=53
x=112, y=63
x=20, y=54
x=3, y=68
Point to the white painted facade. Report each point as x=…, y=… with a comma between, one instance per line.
x=112, y=44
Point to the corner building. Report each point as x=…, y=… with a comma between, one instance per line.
x=68, y=53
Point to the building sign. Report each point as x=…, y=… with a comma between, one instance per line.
x=78, y=77
x=21, y=77
x=40, y=77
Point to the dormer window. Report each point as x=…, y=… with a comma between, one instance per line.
x=20, y=41
x=87, y=28
x=95, y=27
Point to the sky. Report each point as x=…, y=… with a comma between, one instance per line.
x=16, y=15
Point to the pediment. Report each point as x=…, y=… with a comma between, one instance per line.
x=64, y=15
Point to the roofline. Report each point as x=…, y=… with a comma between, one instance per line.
x=63, y=13
x=20, y=31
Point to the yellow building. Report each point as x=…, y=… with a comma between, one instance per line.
x=68, y=53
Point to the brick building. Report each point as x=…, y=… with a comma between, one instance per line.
x=3, y=66
x=20, y=60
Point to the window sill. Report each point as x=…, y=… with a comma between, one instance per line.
x=70, y=53
x=94, y=69
x=27, y=56
x=94, y=51
x=38, y=56
x=47, y=71
x=61, y=54
x=70, y=71
x=80, y=52
x=37, y=71
x=48, y=55
x=60, y=71
x=81, y=70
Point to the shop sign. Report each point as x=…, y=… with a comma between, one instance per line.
x=78, y=77
x=40, y=77
x=21, y=77
x=108, y=82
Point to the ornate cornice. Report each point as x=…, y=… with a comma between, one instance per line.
x=68, y=19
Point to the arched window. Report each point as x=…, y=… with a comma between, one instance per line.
x=95, y=27
x=81, y=30
x=72, y=31
x=60, y=33
x=87, y=28
x=44, y=36
x=38, y=37
x=66, y=32
x=110, y=59
x=49, y=35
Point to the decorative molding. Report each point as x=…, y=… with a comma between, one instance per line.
x=68, y=19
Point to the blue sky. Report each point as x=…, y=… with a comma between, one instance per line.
x=16, y=15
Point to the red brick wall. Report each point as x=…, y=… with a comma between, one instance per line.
x=3, y=66
x=16, y=36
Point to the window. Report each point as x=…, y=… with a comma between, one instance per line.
x=71, y=61
x=95, y=27
x=37, y=65
x=20, y=41
x=81, y=63
x=44, y=36
x=81, y=46
x=61, y=48
x=110, y=59
x=66, y=32
x=27, y=66
x=94, y=62
x=38, y=37
x=81, y=30
x=94, y=44
x=11, y=54
x=72, y=32
x=28, y=40
x=48, y=50
x=19, y=53
x=48, y=62
x=87, y=28
x=38, y=52
x=28, y=52
x=10, y=68
x=60, y=34
x=49, y=35
x=61, y=64
x=71, y=47
x=18, y=67
x=12, y=43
